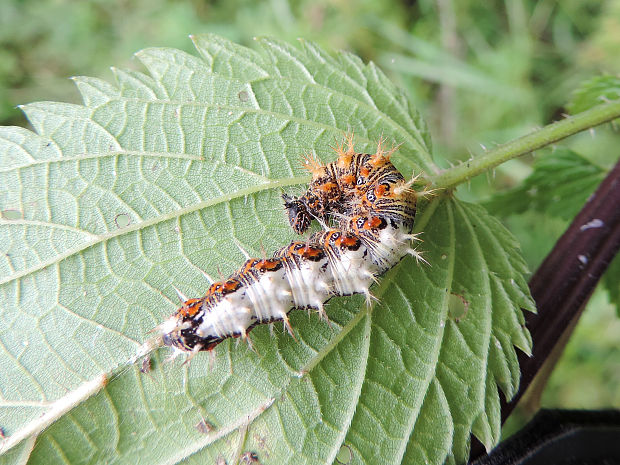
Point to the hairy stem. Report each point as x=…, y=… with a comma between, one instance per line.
x=559, y=130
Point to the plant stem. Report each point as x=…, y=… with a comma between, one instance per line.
x=554, y=132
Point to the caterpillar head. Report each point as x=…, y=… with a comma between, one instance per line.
x=298, y=216
x=179, y=331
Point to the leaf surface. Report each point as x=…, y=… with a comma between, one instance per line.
x=611, y=280
x=158, y=179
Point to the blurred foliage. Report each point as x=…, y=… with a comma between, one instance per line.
x=482, y=73
x=594, y=91
x=44, y=42
x=559, y=185
x=588, y=375
x=611, y=280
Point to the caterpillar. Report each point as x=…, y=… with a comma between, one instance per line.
x=367, y=210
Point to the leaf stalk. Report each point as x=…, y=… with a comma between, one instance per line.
x=547, y=135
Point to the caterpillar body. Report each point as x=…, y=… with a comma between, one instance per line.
x=371, y=209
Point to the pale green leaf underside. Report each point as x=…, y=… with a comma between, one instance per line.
x=155, y=180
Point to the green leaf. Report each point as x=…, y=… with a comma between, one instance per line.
x=611, y=280
x=559, y=185
x=593, y=92
x=155, y=181
x=435, y=370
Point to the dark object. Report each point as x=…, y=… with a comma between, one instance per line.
x=298, y=215
x=562, y=437
x=146, y=365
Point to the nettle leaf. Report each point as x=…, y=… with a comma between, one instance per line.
x=593, y=92
x=157, y=179
x=611, y=281
x=559, y=185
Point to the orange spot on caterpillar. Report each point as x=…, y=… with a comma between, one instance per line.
x=192, y=306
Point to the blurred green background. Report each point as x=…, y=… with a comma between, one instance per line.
x=481, y=73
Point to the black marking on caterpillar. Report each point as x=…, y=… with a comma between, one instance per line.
x=371, y=209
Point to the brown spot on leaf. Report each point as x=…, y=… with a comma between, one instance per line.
x=204, y=427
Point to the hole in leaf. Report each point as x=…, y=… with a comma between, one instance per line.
x=457, y=307
x=344, y=455
x=204, y=427
x=11, y=214
x=122, y=220
x=243, y=96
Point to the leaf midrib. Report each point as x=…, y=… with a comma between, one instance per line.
x=487, y=304
x=144, y=224
x=414, y=417
x=91, y=156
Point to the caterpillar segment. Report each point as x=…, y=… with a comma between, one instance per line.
x=371, y=209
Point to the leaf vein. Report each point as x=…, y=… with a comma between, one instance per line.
x=151, y=222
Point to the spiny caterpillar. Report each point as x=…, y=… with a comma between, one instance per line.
x=371, y=208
